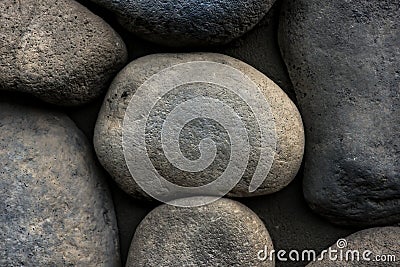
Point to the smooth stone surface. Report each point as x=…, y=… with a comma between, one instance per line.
x=108, y=131
x=381, y=242
x=224, y=233
x=57, y=51
x=344, y=60
x=188, y=23
x=55, y=207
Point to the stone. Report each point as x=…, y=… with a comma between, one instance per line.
x=55, y=207
x=57, y=51
x=344, y=59
x=224, y=233
x=188, y=23
x=376, y=247
x=275, y=139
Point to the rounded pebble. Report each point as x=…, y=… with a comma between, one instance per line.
x=234, y=129
x=224, y=233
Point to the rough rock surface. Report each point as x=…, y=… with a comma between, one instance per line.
x=224, y=233
x=383, y=243
x=57, y=50
x=184, y=23
x=55, y=208
x=344, y=59
x=108, y=131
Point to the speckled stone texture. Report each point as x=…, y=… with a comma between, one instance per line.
x=224, y=233
x=55, y=208
x=344, y=60
x=188, y=23
x=381, y=242
x=57, y=50
x=108, y=131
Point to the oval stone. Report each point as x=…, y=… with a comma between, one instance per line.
x=189, y=23
x=268, y=119
x=224, y=233
x=55, y=207
x=58, y=51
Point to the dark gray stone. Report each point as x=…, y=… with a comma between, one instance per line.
x=383, y=244
x=57, y=50
x=344, y=59
x=55, y=207
x=108, y=131
x=184, y=23
x=224, y=233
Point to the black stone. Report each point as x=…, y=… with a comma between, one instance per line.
x=188, y=23
x=344, y=60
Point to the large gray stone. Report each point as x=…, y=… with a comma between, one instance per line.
x=344, y=59
x=224, y=233
x=183, y=22
x=55, y=208
x=287, y=155
x=57, y=50
x=376, y=247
